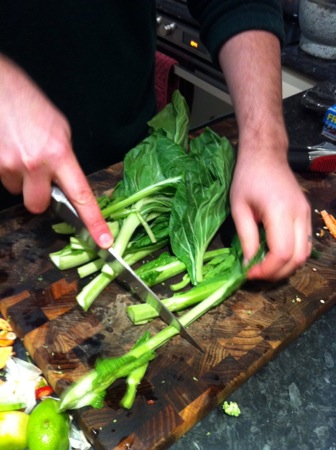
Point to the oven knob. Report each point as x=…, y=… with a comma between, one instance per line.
x=166, y=29
x=158, y=20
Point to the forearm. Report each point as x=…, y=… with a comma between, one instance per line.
x=251, y=64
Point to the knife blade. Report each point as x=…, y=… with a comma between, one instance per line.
x=126, y=275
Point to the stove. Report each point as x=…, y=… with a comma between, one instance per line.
x=178, y=37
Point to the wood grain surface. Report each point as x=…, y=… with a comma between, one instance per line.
x=182, y=385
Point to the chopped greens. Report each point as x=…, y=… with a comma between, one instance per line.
x=91, y=388
x=174, y=195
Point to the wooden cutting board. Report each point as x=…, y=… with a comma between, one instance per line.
x=182, y=385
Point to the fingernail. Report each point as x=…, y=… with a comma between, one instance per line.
x=105, y=240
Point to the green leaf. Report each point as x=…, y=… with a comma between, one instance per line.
x=201, y=203
x=173, y=120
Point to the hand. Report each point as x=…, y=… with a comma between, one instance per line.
x=264, y=190
x=36, y=151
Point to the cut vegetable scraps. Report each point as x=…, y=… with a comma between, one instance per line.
x=7, y=338
x=91, y=388
x=18, y=391
x=231, y=409
x=329, y=221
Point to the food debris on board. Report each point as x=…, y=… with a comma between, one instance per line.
x=7, y=339
x=23, y=386
x=231, y=409
x=329, y=222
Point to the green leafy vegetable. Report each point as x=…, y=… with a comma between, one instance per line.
x=201, y=203
x=174, y=193
x=89, y=389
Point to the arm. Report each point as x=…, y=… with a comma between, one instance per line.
x=264, y=189
x=36, y=151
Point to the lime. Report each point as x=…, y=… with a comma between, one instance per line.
x=13, y=430
x=48, y=429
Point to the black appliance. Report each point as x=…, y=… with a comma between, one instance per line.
x=178, y=37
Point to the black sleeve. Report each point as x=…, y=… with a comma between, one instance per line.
x=222, y=19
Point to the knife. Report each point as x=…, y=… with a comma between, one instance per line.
x=65, y=210
x=316, y=158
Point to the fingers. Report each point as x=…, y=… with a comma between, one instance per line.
x=289, y=247
x=35, y=184
x=36, y=193
x=75, y=186
x=12, y=182
x=248, y=232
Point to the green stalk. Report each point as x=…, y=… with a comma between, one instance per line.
x=90, y=268
x=63, y=228
x=191, y=316
x=128, y=227
x=82, y=392
x=143, y=312
x=68, y=258
x=78, y=244
x=134, y=378
x=91, y=388
x=130, y=258
x=134, y=198
x=154, y=272
x=133, y=381
x=77, y=252
x=143, y=211
x=90, y=292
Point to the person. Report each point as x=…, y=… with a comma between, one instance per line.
x=77, y=90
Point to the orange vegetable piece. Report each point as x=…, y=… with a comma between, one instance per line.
x=7, y=335
x=7, y=338
x=329, y=221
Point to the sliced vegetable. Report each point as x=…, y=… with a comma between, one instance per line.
x=134, y=378
x=44, y=391
x=330, y=222
x=91, y=388
x=231, y=409
x=7, y=338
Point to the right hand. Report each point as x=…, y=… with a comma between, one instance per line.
x=36, y=151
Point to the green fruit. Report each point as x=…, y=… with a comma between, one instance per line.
x=48, y=429
x=13, y=430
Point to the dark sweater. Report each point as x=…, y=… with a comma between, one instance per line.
x=95, y=60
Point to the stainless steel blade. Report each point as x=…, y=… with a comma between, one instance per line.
x=65, y=210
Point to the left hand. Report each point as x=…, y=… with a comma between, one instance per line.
x=264, y=190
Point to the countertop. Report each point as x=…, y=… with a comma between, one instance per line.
x=290, y=404
x=293, y=57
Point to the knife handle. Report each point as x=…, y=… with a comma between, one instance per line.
x=299, y=148
x=299, y=160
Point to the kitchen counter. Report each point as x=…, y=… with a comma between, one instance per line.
x=290, y=404
x=293, y=57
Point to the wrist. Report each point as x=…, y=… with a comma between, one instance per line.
x=267, y=141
